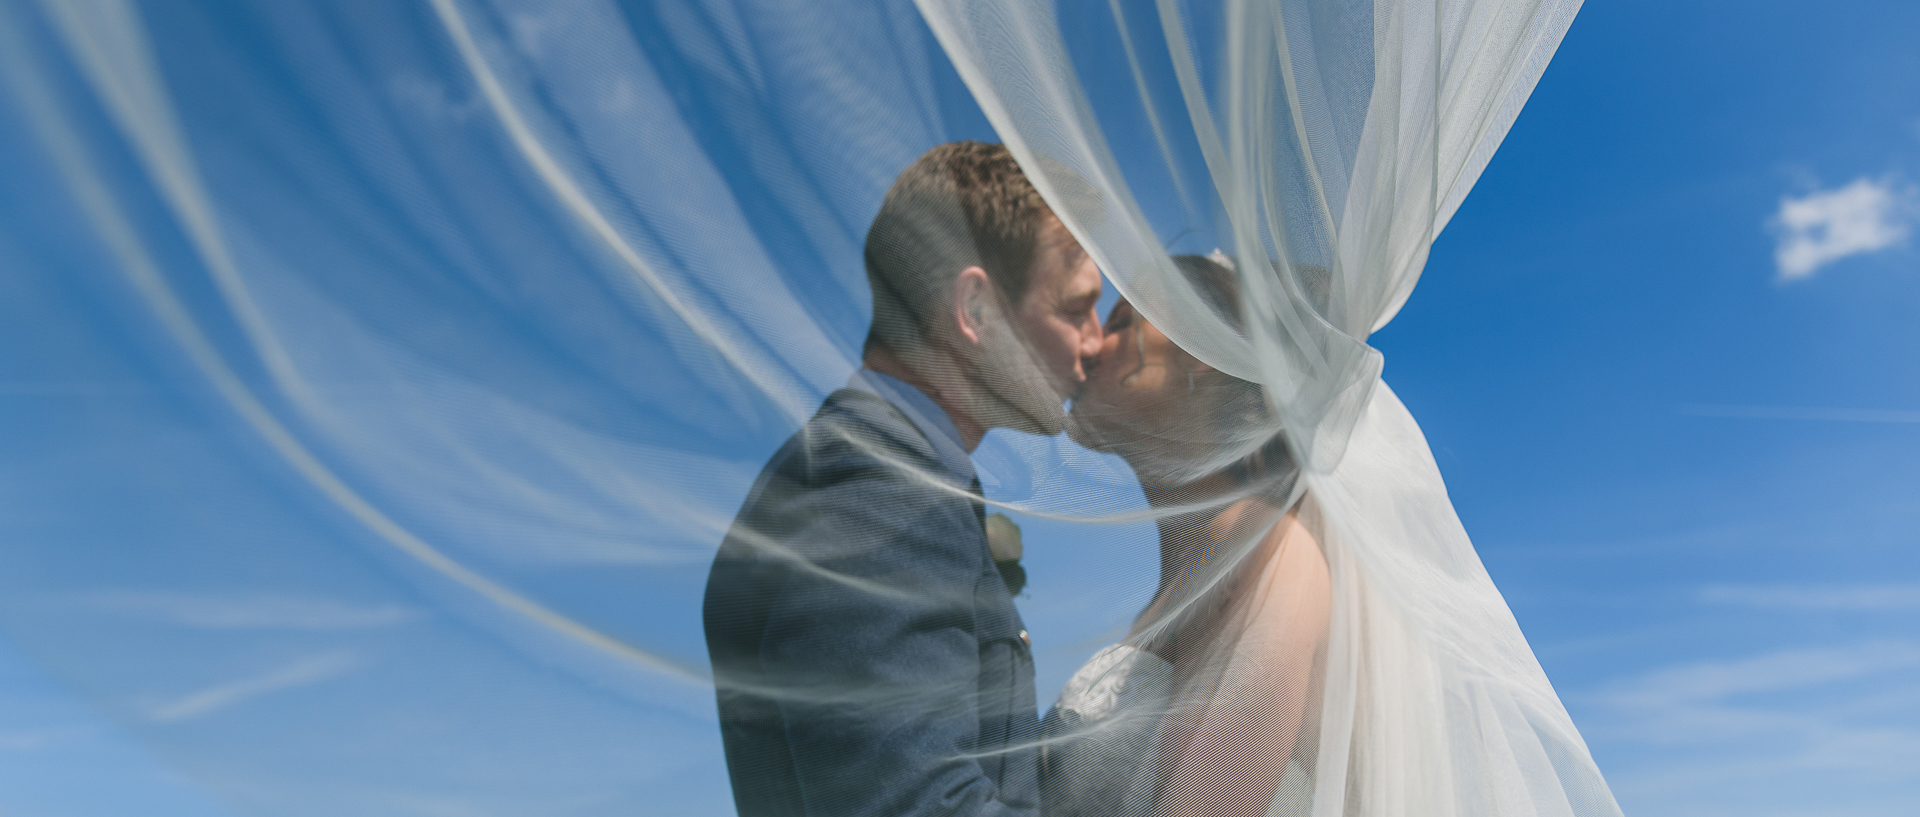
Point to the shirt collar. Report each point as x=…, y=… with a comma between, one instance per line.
x=928, y=416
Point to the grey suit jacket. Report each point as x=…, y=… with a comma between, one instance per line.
x=867, y=657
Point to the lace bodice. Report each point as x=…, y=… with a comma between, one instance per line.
x=1101, y=735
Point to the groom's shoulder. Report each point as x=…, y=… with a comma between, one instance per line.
x=853, y=484
x=859, y=464
x=855, y=435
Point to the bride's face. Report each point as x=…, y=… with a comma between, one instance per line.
x=1134, y=401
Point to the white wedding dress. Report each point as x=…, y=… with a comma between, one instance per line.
x=1102, y=733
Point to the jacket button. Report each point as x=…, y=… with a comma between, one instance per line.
x=1024, y=639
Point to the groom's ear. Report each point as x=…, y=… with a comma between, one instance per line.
x=972, y=302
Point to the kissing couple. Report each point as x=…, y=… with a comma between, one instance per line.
x=867, y=655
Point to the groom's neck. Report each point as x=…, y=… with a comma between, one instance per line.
x=927, y=378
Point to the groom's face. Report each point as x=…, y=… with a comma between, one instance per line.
x=1057, y=331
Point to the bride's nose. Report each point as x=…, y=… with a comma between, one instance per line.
x=1108, y=346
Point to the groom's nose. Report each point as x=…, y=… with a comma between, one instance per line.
x=1092, y=338
x=1091, y=362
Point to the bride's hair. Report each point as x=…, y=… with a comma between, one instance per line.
x=1241, y=407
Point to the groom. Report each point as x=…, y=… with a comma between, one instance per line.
x=867, y=656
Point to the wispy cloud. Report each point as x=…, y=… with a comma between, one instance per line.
x=1837, y=415
x=431, y=99
x=530, y=31
x=301, y=673
x=251, y=611
x=1796, y=708
x=34, y=740
x=1747, y=735
x=1700, y=689
x=1873, y=598
x=1825, y=226
x=70, y=388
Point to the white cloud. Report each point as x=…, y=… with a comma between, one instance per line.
x=1825, y=226
x=1829, y=707
x=1775, y=734
x=1837, y=415
x=34, y=740
x=431, y=99
x=529, y=31
x=1699, y=688
x=618, y=96
x=306, y=672
x=1878, y=598
x=251, y=611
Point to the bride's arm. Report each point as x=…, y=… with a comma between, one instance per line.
x=1242, y=700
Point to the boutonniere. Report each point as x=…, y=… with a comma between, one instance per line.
x=1003, y=541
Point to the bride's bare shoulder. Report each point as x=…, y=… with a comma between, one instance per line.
x=1284, y=563
x=1292, y=560
x=1255, y=516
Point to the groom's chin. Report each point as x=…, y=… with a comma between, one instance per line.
x=1081, y=431
x=1031, y=408
x=1045, y=421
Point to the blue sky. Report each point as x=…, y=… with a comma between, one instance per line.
x=1689, y=460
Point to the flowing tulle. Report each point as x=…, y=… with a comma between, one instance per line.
x=400, y=365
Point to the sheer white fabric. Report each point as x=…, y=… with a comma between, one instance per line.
x=1316, y=163
x=492, y=310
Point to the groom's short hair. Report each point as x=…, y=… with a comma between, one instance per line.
x=960, y=205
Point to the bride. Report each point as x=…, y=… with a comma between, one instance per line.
x=1205, y=707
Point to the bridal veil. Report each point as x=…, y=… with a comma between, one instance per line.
x=387, y=372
